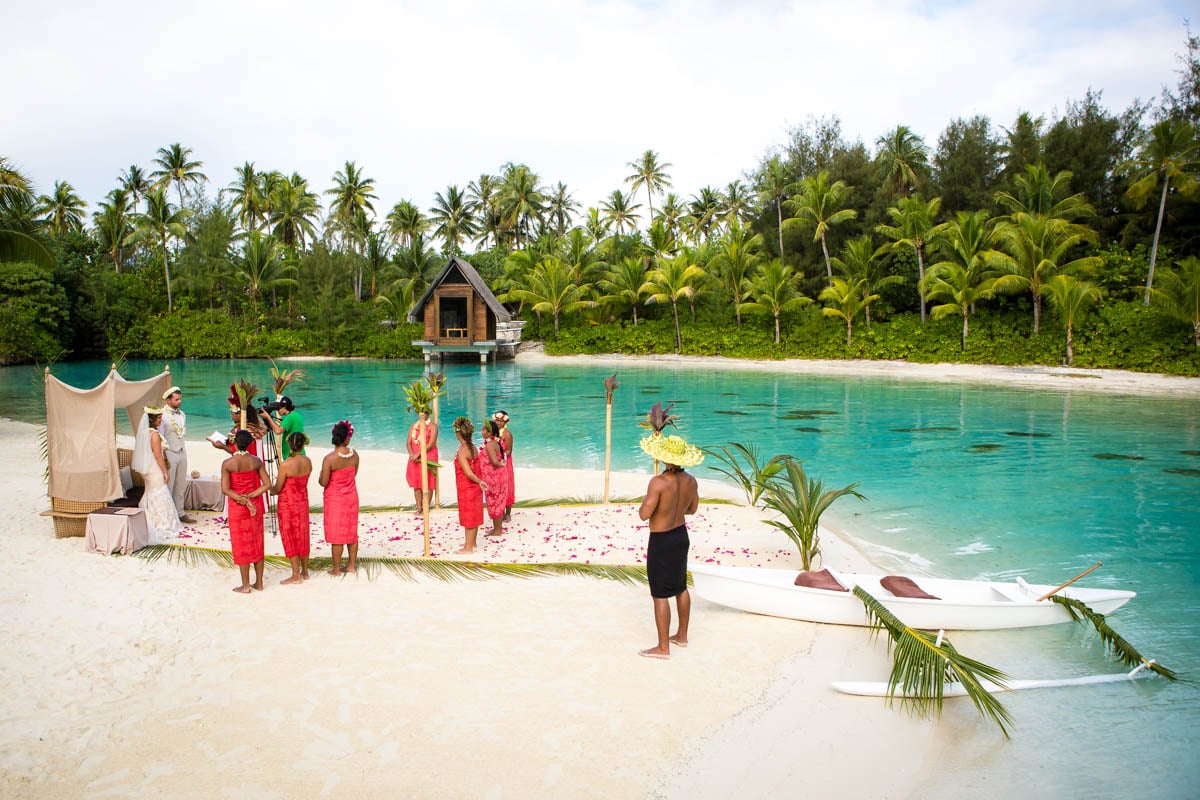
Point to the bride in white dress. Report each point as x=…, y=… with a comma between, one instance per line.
x=149, y=460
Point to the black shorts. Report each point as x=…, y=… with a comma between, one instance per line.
x=666, y=562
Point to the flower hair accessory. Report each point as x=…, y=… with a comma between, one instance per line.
x=500, y=416
x=464, y=426
x=151, y=410
x=349, y=428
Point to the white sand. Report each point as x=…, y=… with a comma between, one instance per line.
x=130, y=679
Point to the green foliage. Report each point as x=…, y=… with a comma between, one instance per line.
x=33, y=307
x=743, y=465
x=1114, y=643
x=800, y=501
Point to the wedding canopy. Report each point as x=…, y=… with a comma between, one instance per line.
x=81, y=432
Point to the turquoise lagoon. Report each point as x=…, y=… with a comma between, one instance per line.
x=965, y=481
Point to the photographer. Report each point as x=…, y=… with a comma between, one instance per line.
x=289, y=422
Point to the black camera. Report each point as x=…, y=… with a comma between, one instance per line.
x=271, y=407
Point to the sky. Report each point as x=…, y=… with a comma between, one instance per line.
x=424, y=95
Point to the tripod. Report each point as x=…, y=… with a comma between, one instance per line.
x=270, y=459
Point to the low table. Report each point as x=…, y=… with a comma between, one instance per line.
x=111, y=529
x=203, y=494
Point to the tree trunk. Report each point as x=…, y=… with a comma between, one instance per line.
x=1162, y=207
x=1037, y=312
x=849, y=331
x=1197, y=327
x=779, y=216
x=1070, y=347
x=921, y=280
x=675, y=314
x=167, y=274
x=828, y=266
x=776, y=327
x=964, y=339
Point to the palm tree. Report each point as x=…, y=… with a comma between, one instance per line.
x=659, y=241
x=134, y=181
x=551, y=290
x=415, y=263
x=521, y=201
x=800, y=501
x=176, y=168
x=961, y=287
x=820, y=206
x=1178, y=293
x=10, y=175
x=861, y=262
x=595, y=225
x=903, y=158
x=484, y=205
x=560, y=208
x=774, y=185
x=293, y=211
x=1170, y=154
x=738, y=253
x=1049, y=196
x=737, y=203
x=649, y=173
x=623, y=284
x=262, y=266
x=248, y=197
x=672, y=214
x=846, y=300
x=451, y=218
x=913, y=221
x=620, y=212
x=704, y=209
x=674, y=279
x=405, y=222
x=19, y=226
x=775, y=291
x=160, y=222
x=1038, y=248
x=63, y=210
x=1071, y=297
x=111, y=224
x=352, y=194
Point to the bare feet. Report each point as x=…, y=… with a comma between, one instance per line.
x=464, y=551
x=242, y=589
x=654, y=652
x=304, y=576
x=258, y=584
x=675, y=640
x=349, y=570
x=335, y=572
x=291, y=580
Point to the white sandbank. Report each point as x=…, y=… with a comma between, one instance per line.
x=126, y=678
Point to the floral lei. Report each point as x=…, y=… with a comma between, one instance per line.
x=176, y=415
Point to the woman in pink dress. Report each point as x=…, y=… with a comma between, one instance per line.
x=243, y=481
x=291, y=484
x=413, y=473
x=470, y=485
x=506, y=439
x=338, y=473
x=491, y=467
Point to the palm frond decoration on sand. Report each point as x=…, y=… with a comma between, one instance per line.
x=1114, y=643
x=281, y=378
x=407, y=568
x=924, y=662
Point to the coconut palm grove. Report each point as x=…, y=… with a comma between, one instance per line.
x=1066, y=238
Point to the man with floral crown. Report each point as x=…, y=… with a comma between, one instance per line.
x=670, y=497
x=173, y=428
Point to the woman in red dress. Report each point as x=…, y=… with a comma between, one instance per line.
x=470, y=485
x=413, y=473
x=490, y=466
x=292, y=487
x=243, y=481
x=506, y=439
x=338, y=477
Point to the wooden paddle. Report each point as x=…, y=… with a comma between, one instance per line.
x=1053, y=592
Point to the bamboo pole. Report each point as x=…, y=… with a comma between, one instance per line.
x=424, y=481
x=1053, y=592
x=437, y=489
x=607, y=444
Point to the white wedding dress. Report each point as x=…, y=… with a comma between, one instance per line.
x=161, y=516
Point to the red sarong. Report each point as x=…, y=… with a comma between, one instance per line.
x=293, y=517
x=496, y=479
x=341, y=507
x=470, y=499
x=245, y=531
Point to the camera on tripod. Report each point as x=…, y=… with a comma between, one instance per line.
x=271, y=407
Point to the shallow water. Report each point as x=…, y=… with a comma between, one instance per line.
x=968, y=481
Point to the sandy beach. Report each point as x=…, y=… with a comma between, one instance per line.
x=136, y=679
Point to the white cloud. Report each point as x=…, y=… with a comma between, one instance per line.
x=422, y=95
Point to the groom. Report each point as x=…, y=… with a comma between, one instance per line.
x=173, y=428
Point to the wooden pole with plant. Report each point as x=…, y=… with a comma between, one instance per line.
x=281, y=379
x=657, y=419
x=246, y=392
x=610, y=386
x=436, y=380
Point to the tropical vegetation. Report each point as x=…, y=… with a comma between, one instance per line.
x=824, y=247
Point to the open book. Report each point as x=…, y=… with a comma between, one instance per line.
x=218, y=438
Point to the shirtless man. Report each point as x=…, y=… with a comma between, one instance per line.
x=669, y=497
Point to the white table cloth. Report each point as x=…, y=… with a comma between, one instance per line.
x=110, y=530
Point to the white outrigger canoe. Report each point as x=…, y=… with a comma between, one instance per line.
x=963, y=605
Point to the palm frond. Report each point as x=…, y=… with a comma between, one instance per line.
x=754, y=477
x=408, y=568
x=659, y=418
x=1114, y=643
x=921, y=667
x=281, y=379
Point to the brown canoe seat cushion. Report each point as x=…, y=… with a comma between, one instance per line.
x=820, y=580
x=901, y=586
